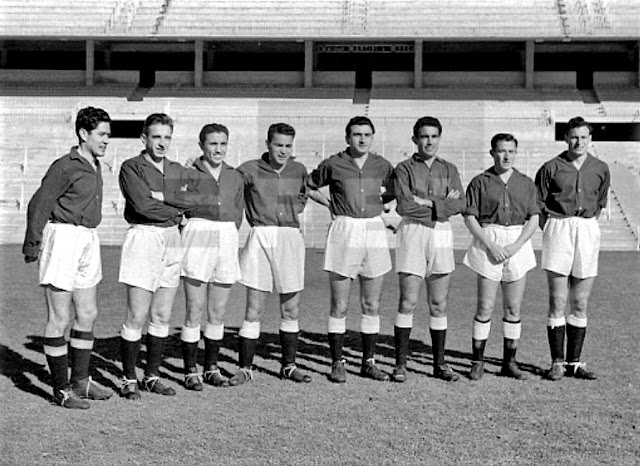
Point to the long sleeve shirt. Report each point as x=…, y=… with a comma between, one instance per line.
x=492, y=201
x=413, y=177
x=355, y=192
x=71, y=192
x=138, y=177
x=227, y=193
x=274, y=198
x=565, y=191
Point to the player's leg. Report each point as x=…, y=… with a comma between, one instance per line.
x=138, y=305
x=437, y=291
x=340, y=287
x=157, y=336
x=214, y=332
x=579, y=292
x=512, y=293
x=248, y=335
x=409, y=295
x=81, y=343
x=556, y=323
x=487, y=291
x=195, y=292
x=289, y=332
x=56, y=347
x=370, y=290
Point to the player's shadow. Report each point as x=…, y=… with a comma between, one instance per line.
x=17, y=368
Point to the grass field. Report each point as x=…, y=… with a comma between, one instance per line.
x=269, y=421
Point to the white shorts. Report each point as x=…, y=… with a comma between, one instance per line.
x=570, y=246
x=357, y=246
x=151, y=257
x=70, y=257
x=511, y=270
x=273, y=257
x=423, y=251
x=210, y=251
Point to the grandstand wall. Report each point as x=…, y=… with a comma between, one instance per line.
x=481, y=67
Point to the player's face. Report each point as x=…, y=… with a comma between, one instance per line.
x=157, y=140
x=360, y=140
x=280, y=148
x=427, y=141
x=96, y=141
x=578, y=140
x=504, y=155
x=214, y=148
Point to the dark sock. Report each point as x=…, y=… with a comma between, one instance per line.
x=80, y=357
x=246, y=351
x=58, y=365
x=189, y=355
x=289, y=344
x=155, y=351
x=477, y=347
x=211, y=351
x=575, y=340
x=438, y=339
x=509, y=349
x=369, y=341
x=401, y=340
x=129, y=353
x=336, y=342
x=556, y=342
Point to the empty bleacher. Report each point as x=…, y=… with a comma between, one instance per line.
x=36, y=130
x=322, y=18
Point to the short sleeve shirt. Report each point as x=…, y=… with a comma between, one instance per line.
x=355, y=192
x=492, y=201
x=565, y=191
x=274, y=198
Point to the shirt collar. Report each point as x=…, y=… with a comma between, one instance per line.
x=417, y=158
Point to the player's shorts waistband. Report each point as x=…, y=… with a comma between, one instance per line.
x=497, y=226
x=347, y=219
x=155, y=228
x=71, y=225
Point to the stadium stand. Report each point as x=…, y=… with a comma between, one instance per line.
x=56, y=57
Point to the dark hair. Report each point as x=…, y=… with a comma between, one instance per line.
x=356, y=121
x=507, y=137
x=212, y=128
x=280, y=128
x=577, y=122
x=426, y=121
x=89, y=118
x=157, y=119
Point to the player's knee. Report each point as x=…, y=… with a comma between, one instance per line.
x=370, y=306
x=407, y=305
x=57, y=324
x=437, y=308
x=339, y=308
x=557, y=304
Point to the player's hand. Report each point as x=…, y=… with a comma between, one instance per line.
x=389, y=224
x=158, y=195
x=190, y=162
x=498, y=253
x=29, y=259
x=455, y=194
x=510, y=249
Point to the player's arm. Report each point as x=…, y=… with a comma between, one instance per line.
x=454, y=202
x=54, y=184
x=527, y=232
x=409, y=204
x=542, y=187
x=471, y=215
x=136, y=191
x=182, y=189
x=317, y=179
x=603, y=192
